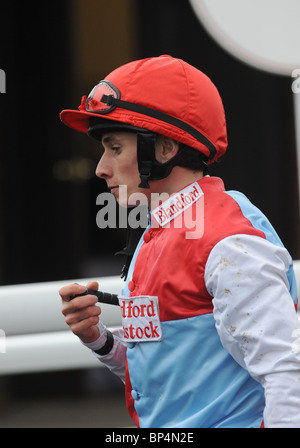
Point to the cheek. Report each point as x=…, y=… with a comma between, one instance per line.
x=130, y=170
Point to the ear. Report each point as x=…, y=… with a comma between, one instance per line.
x=166, y=148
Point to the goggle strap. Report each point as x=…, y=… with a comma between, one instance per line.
x=111, y=101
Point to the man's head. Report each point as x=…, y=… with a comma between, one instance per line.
x=156, y=97
x=118, y=166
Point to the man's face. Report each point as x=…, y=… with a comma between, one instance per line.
x=118, y=164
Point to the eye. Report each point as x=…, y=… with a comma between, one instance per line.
x=115, y=148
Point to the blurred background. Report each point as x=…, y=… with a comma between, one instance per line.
x=52, y=54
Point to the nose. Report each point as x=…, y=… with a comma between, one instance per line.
x=104, y=169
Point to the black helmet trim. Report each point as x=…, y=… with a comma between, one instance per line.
x=98, y=126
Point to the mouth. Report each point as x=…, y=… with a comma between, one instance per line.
x=113, y=188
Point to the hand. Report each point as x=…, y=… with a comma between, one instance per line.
x=81, y=313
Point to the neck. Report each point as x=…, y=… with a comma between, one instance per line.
x=178, y=179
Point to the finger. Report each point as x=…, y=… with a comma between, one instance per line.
x=93, y=285
x=86, y=329
x=86, y=313
x=66, y=291
x=78, y=304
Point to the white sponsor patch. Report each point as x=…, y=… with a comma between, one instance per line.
x=140, y=318
x=177, y=203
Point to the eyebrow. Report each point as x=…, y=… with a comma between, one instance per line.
x=109, y=139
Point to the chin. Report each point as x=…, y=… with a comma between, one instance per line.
x=123, y=203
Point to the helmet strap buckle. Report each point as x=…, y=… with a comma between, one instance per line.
x=145, y=173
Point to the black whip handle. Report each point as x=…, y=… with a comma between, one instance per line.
x=103, y=297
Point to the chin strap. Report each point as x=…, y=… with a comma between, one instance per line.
x=149, y=167
x=146, y=156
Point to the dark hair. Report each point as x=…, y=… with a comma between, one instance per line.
x=191, y=158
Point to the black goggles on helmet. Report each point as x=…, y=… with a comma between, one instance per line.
x=105, y=97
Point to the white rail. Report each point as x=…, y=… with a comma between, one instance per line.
x=36, y=336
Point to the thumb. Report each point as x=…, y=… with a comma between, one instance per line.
x=93, y=285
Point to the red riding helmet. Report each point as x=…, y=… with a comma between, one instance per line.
x=163, y=95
